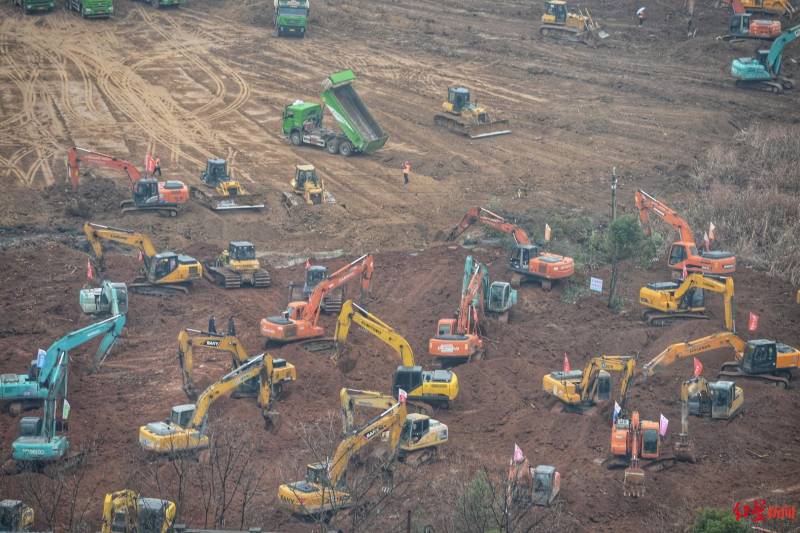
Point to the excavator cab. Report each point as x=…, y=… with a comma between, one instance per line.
x=546, y=484
x=408, y=378
x=163, y=264
x=678, y=253
x=446, y=326
x=727, y=398
x=145, y=191
x=760, y=357
x=415, y=428
x=216, y=172
x=651, y=440
x=521, y=256
x=314, y=275
x=15, y=516
x=153, y=514
x=603, y=385
x=181, y=415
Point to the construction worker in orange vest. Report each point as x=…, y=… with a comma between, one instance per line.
x=406, y=172
x=157, y=167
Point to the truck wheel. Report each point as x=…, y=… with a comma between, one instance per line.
x=346, y=149
x=332, y=147
x=154, y=3
x=295, y=137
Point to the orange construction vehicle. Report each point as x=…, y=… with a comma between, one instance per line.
x=299, y=320
x=744, y=26
x=684, y=253
x=458, y=340
x=526, y=260
x=164, y=197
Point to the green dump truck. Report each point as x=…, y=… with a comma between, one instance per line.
x=91, y=8
x=291, y=17
x=29, y=6
x=302, y=121
x=165, y=3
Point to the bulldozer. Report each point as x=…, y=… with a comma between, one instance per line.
x=558, y=22
x=473, y=120
x=308, y=185
x=237, y=266
x=15, y=516
x=229, y=194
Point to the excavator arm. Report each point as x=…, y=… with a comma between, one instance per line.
x=363, y=266
x=352, y=312
x=613, y=363
x=467, y=323
x=96, y=234
x=493, y=220
x=725, y=288
x=189, y=338
x=775, y=51
x=683, y=350
x=646, y=203
x=352, y=398
x=77, y=156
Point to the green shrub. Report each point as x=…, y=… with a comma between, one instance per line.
x=708, y=520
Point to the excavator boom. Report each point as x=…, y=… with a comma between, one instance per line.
x=683, y=350
x=584, y=387
x=646, y=203
x=666, y=301
x=493, y=220
x=96, y=233
x=352, y=312
x=77, y=156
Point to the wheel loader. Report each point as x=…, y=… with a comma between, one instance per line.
x=473, y=120
x=558, y=22
x=229, y=194
x=237, y=266
x=308, y=185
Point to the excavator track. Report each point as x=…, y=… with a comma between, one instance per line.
x=732, y=369
x=778, y=86
x=167, y=210
x=318, y=345
x=655, y=318
x=149, y=289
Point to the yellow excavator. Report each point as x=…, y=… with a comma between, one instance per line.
x=762, y=359
x=718, y=399
x=434, y=387
x=164, y=272
x=15, y=516
x=558, y=22
x=237, y=266
x=421, y=435
x=125, y=511
x=583, y=388
x=185, y=430
x=669, y=301
x=324, y=490
x=282, y=371
x=474, y=122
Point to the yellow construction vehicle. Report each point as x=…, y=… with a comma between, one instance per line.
x=582, y=388
x=185, y=431
x=188, y=339
x=306, y=184
x=719, y=399
x=125, y=511
x=762, y=359
x=434, y=387
x=558, y=22
x=777, y=8
x=324, y=490
x=237, y=266
x=474, y=120
x=230, y=194
x=164, y=273
x=668, y=301
x=15, y=516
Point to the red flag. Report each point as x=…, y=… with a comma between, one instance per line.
x=698, y=367
x=308, y=263
x=752, y=324
x=149, y=163
x=711, y=229
x=89, y=270
x=685, y=272
x=566, y=363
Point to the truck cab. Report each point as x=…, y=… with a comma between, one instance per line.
x=291, y=17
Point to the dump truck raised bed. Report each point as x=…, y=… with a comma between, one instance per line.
x=290, y=17
x=360, y=133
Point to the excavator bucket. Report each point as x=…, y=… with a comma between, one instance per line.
x=489, y=129
x=633, y=483
x=684, y=451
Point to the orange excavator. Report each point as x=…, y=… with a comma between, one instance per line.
x=299, y=320
x=458, y=340
x=163, y=197
x=526, y=260
x=684, y=253
x=744, y=26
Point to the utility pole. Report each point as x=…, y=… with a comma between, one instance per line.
x=612, y=287
x=613, y=193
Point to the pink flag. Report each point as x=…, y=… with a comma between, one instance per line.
x=685, y=272
x=547, y=232
x=401, y=395
x=566, y=363
x=711, y=228
x=89, y=270
x=662, y=426
x=752, y=324
x=308, y=263
x=698, y=367
x=518, y=455
x=141, y=256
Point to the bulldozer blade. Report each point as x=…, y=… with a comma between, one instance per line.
x=289, y=200
x=602, y=34
x=633, y=483
x=479, y=131
x=230, y=205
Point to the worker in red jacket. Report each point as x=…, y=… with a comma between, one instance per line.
x=406, y=172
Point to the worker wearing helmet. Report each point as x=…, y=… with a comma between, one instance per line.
x=157, y=167
x=406, y=172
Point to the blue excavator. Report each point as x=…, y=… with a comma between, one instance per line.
x=27, y=391
x=763, y=72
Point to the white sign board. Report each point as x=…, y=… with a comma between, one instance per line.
x=596, y=284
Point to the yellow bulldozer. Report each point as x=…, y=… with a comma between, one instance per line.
x=473, y=121
x=561, y=23
x=229, y=194
x=237, y=266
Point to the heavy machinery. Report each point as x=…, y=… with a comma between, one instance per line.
x=458, y=340
x=237, y=266
x=15, y=516
x=762, y=359
x=164, y=273
x=163, y=197
x=559, y=22
x=420, y=437
x=744, y=26
x=718, y=399
x=91, y=8
x=290, y=17
x=306, y=184
x=299, y=320
x=165, y=3
x=29, y=6
x=283, y=372
x=473, y=120
x=763, y=72
x=669, y=301
x=537, y=486
x=526, y=261
x=633, y=439
x=778, y=8
x=229, y=195
x=579, y=389
x=109, y=299
x=435, y=387
x=498, y=296
x=27, y=391
x=333, y=300
x=185, y=430
x=360, y=133
x=126, y=511
x=324, y=490
x=684, y=253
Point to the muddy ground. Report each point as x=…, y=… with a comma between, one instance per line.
x=211, y=80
